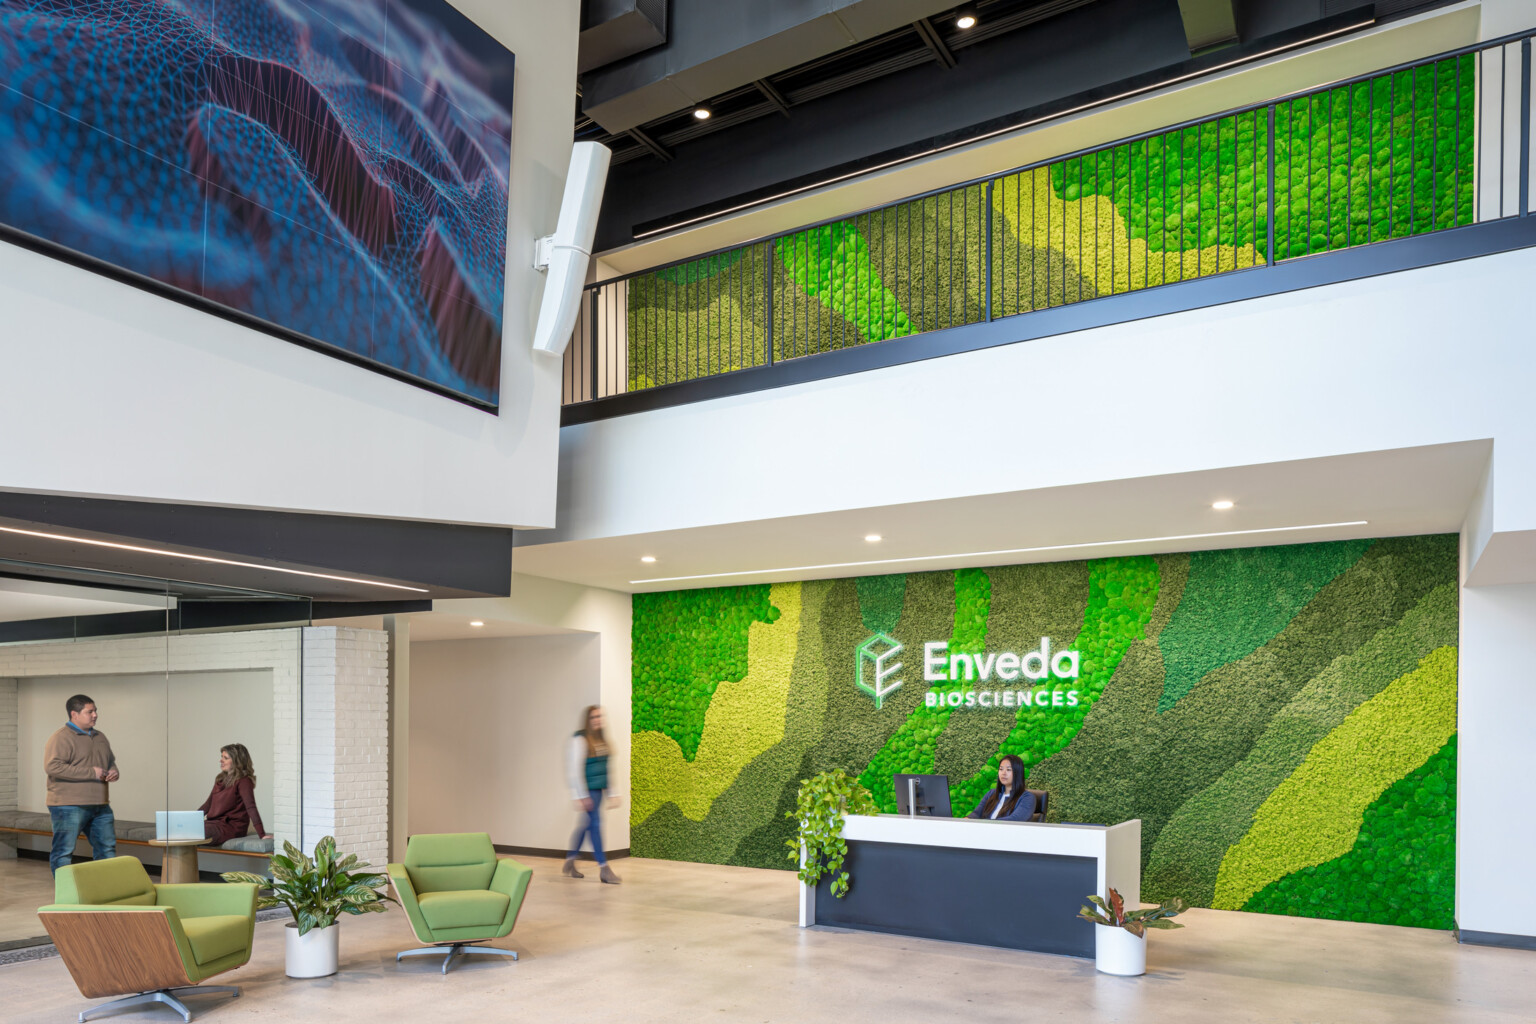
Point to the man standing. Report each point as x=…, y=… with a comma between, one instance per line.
x=79, y=763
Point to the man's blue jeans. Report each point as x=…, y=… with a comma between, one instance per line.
x=95, y=820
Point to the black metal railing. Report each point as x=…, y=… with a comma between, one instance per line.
x=1424, y=147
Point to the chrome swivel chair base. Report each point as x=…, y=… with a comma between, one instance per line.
x=168, y=996
x=456, y=950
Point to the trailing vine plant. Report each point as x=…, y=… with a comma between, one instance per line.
x=823, y=801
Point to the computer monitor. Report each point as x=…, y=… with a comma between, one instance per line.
x=926, y=795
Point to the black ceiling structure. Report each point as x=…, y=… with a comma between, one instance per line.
x=916, y=89
x=206, y=556
x=926, y=41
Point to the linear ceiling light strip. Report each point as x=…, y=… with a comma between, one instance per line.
x=206, y=559
x=1003, y=551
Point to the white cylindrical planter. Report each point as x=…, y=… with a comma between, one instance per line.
x=312, y=955
x=1117, y=951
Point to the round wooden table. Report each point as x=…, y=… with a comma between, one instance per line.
x=178, y=863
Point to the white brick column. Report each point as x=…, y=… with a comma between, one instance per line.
x=399, y=630
x=346, y=740
x=10, y=740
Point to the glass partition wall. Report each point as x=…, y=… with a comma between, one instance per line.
x=176, y=685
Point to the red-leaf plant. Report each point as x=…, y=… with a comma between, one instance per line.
x=1114, y=915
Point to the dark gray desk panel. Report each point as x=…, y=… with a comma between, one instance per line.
x=992, y=898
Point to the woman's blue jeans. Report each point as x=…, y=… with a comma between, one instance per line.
x=95, y=820
x=591, y=824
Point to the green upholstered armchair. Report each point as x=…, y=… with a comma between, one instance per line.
x=121, y=935
x=457, y=894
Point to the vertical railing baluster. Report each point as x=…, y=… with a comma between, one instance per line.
x=1434, y=144
x=1269, y=242
x=768, y=301
x=1503, y=116
x=1525, y=126
x=594, y=331
x=988, y=242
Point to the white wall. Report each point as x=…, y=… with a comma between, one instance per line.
x=537, y=601
x=1496, y=760
x=491, y=722
x=165, y=730
x=103, y=360
x=1428, y=356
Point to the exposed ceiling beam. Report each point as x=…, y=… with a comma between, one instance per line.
x=1208, y=23
x=773, y=95
x=708, y=54
x=823, y=76
x=930, y=38
x=656, y=148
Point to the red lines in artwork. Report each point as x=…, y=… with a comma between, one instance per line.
x=471, y=338
x=288, y=104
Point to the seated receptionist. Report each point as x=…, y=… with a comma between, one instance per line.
x=1008, y=800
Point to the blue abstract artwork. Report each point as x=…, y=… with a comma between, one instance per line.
x=334, y=169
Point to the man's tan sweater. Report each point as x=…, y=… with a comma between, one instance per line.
x=70, y=759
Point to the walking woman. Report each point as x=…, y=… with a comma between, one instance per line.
x=1008, y=800
x=587, y=773
x=230, y=810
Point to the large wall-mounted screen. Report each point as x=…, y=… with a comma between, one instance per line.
x=332, y=171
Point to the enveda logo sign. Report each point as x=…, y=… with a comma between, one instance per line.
x=874, y=666
x=1039, y=671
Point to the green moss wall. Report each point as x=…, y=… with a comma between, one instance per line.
x=1281, y=719
x=1383, y=158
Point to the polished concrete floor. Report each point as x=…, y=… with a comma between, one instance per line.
x=25, y=885
x=689, y=942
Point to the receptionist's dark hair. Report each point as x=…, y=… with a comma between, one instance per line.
x=1009, y=798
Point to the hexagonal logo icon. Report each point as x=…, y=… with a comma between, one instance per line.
x=875, y=666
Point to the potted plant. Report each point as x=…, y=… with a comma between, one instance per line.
x=819, y=846
x=1120, y=945
x=315, y=892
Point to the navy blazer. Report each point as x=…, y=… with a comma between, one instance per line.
x=1022, y=811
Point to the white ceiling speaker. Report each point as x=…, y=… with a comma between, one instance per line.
x=565, y=253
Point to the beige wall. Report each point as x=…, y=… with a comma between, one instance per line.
x=490, y=723
x=566, y=607
x=165, y=730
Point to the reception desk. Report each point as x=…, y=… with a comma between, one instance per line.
x=995, y=883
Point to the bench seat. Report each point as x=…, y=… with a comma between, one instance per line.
x=136, y=833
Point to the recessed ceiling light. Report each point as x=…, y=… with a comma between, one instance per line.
x=476, y=623
x=966, y=20
x=702, y=113
x=1222, y=505
x=873, y=538
x=647, y=558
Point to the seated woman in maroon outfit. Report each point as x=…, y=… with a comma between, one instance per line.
x=230, y=809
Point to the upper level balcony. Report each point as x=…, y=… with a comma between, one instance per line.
x=1407, y=166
